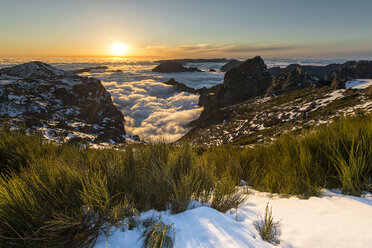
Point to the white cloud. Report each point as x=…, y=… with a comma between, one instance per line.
x=154, y=110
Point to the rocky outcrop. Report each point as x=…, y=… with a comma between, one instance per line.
x=286, y=80
x=337, y=83
x=346, y=71
x=90, y=69
x=353, y=70
x=64, y=104
x=368, y=91
x=168, y=67
x=250, y=79
x=185, y=61
x=180, y=86
x=231, y=64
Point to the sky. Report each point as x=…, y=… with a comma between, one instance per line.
x=188, y=28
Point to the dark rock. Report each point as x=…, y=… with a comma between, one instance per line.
x=368, y=91
x=91, y=68
x=286, y=80
x=274, y=70
x=135, y=138
x=168, y=67
x=185, y=61
x=353, y=70
x=33, y=122
x=180, y=86
x=231, y=64
x=337, y=83
x=62, y=124
x=111, y=135
x=212, y=70
x=248, y=80
x=350, y=92
x=346, y=71
x=271, y=121
x=3, y=93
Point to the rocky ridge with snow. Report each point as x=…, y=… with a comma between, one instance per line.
x=60, y=104
x=253, y=106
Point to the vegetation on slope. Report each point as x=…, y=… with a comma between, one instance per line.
x=64, y=195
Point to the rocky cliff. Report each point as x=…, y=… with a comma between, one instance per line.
x=60, y=104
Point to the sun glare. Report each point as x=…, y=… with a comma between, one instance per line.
x=118, y=49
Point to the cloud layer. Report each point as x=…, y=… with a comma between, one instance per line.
x=152, y=109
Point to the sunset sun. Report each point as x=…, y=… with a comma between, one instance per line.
x=118, y=49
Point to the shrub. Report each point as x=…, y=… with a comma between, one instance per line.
x=159, y=235
x=267, y=227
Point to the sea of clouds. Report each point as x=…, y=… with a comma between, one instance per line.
x=153, y=110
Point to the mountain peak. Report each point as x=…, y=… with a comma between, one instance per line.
x=36, y=70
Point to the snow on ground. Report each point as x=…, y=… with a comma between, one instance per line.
x=359, y=83
x=333, y=220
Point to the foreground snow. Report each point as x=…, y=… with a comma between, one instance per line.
x=333, y=220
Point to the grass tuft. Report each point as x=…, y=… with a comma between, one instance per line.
x=159, y=235
x=267, y=227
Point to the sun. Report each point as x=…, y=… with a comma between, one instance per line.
x=118, y=49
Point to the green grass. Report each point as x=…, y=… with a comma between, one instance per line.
x=63, y=195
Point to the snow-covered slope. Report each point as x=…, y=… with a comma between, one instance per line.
x=59, y=103
x=333, y=220
x=262, y=118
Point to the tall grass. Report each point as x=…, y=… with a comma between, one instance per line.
x=267, y=226
x=64, y=195
x=354, y=170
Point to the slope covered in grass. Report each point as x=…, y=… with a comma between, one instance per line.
x=64, y=195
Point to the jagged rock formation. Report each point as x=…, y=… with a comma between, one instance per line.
x=346, y=71
x=231, y=64
x=180, y=86
x=241, y=83
x=251, y=106
x=286, y=80
x=59, y=103
x=248, y=80
x=185, y=61
x=168, y=67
